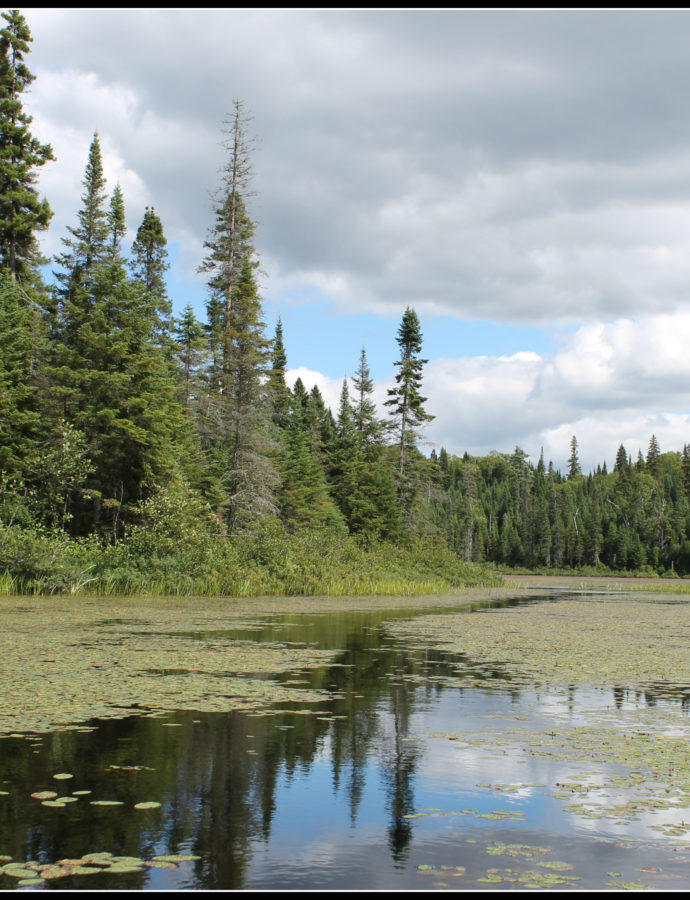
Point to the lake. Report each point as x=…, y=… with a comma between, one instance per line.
x=366, y=754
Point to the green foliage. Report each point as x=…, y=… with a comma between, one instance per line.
x=408, y=416
x=20, y=337
x=22, y=212
x=628, y=519
x=140, y=454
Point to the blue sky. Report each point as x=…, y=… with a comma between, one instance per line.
x=520, y=177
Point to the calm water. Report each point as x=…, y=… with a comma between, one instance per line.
x=325, y=800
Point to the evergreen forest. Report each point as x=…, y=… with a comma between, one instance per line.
x=143, y=451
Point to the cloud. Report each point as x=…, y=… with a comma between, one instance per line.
x=608, y=384
x=520, y=166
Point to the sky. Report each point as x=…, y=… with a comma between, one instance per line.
x=520, y=177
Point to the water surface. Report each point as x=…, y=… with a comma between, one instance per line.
x=400, y=777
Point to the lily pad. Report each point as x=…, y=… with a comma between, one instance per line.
x=51, y=872
x=19, y=871
x=149, y=804
x=62, y=776
x=44, y=795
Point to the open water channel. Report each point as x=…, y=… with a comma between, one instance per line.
x=403, y=776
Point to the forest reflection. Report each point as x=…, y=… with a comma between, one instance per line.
x=220, y=777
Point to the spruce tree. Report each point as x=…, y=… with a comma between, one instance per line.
x=280, y=394
x=20, y=418
x=189, y=336
x=116, y=223
x=88, y=244
x=22, y=212
x=238, y=408
x=573, y=461
x=406, y=405
x=653, y=454
x=114, y=382
x=149, y=261
x=368, y=426
x=621, y=464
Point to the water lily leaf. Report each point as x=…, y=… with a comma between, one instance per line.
x=55, y=803
x=106, y=802
x=24, y=882
x=19, y=872
x=121, y=868
x=176, y=857
x=80, y=793
x=44, y=795
x=51, y=872
x=556, y=866
x=62, y=776
x=149, y=804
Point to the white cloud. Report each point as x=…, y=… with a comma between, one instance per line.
x=518, y=166
x=609, y=384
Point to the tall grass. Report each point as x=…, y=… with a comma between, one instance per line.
x=269, y=561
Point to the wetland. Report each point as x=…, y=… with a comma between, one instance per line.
x=488, y=739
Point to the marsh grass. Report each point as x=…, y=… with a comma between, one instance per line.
x=269, y=561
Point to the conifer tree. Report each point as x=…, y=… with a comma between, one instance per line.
x=303, y=496
x=114, y=381
x=406, y=405
x=116, y=223
x=621, y=464
x=653, y=454
x=149, y=261
x=19, y=410
x=573, y=461
x=22, y=212
x=369, y=428
x=88, y=244
x=190, y=339
x=238, y=410
x=280, y=394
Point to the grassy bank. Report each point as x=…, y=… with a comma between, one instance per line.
x=269, y=562
x=612, y=583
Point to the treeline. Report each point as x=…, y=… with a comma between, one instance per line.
x=138, y=448
x=502, y=509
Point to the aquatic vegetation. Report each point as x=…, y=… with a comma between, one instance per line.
x=113, y=658
x=595, y=642
x=31, y=872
